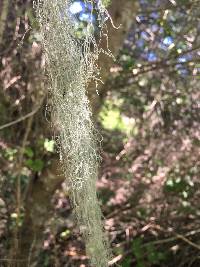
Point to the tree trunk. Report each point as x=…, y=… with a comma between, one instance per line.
x=122, y=16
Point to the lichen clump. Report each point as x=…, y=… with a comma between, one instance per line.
x=70, y=66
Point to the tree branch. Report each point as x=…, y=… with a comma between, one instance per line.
x=20, y=119
x=4, y=14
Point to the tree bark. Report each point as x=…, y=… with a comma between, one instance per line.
x=122, y=15
x=3, y=16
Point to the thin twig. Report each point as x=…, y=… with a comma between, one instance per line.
x=162, y=241
x=176, y=237
x=168, y=7
x=18, y=167
x=12, y=260
x=20, y=119
x=188, y=241
x=31, y=251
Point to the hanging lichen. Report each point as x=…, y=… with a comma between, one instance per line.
x=71, y=65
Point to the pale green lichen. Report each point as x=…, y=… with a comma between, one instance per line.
x=106, y=3
x=70, y=65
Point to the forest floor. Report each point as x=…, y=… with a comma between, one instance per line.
x=149, y=193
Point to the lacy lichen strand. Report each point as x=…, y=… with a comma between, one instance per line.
x=70, y=65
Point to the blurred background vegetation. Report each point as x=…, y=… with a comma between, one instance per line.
x=148, y=113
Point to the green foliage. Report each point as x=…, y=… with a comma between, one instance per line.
x=127, y=61
x=35, y=165
x=106, y=3
x=105, y=194
x=10, y=153
x=49, y=145
x=126, y=262
x=142, y=213
x=138, y=252
x=146, y=254
x=33, y=21
x=29, y=152
x=176, y=185
x=65, y=234
x=111, y=118
x=16, y=220
x=181, y=186
x=154, y=256
x=35, y=161
x=44, y=259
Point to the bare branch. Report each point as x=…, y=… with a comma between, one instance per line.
x=4, y=14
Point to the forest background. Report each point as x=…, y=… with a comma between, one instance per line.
x=147, y=112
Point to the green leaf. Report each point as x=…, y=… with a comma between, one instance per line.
x=65, y=234
x=137, y=248
x=10, y=153
x=38, y=165
x=49, y=145
x=126, y=262
x=152, y=254
x=35, y=165
x=29, y=152
x=140, y=264
x=177, y=185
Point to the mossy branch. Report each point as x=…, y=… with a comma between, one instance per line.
x=71, y=65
